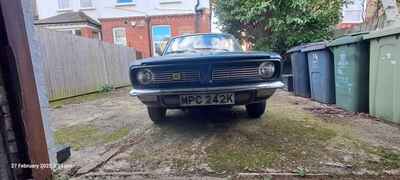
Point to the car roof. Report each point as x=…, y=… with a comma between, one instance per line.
x=198, y=34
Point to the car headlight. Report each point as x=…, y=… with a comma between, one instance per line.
x=144, y=76
x=266, y=70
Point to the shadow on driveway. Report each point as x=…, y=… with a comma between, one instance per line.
x=204, y=120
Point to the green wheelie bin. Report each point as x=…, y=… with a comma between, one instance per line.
x=351, y=59
x=384, y=85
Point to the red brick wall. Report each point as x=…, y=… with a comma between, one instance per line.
x=346, y=25
x=86, y=32
x=372, y=11
x=90, y=33
x=138, y=35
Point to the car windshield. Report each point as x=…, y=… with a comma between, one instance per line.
x=205, y=42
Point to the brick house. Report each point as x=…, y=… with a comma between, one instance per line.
x=140, y=31
x=141, y=24
x=360, y=11
x=77, y=23
x=353, y=14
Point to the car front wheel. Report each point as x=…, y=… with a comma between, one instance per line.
x=157, y=114
x=256, y=110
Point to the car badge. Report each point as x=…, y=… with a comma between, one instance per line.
x=176, y=76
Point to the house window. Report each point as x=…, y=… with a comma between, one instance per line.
x=78, y=32
x=353, y=12
x=159, y=34
x=86, y=4
x=64, y=4
x=67, y=31
x=119, y=36
x=96, y=35
x=126, y=2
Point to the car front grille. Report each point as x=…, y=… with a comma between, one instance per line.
x=205, y=74
x=245, y=72
x=185, y=76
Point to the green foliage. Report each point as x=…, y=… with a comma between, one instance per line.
x=105, y=88
x=301, y=172
x=278, y=24
x=80, y=136
x=58, y=176
x=390, y=159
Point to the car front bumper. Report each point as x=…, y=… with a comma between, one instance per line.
x=244, y=94
x=259, y=86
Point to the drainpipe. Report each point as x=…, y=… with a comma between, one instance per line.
x=210, y=16
x=197, y=16
x=147, y=20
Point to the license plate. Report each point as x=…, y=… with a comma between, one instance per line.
x=207, y=99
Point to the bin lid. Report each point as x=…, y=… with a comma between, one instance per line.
x=296, y=48
x=348, y=39
x=315, y=46
x=383, y=33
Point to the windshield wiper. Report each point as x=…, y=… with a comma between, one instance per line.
x=194, y=50
x=179, y=51
x=217, y=49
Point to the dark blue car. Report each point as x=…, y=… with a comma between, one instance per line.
x=205, y=70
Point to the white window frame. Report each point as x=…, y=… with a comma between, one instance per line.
x=64, y=9
x=133, y=3
x=361, y=10
x=70, y=31
x=125, y=42
x=98, y=35
x=153, y=42
x=89, y=7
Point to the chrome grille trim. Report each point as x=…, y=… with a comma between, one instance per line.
x=226, y=73
x=187, y=76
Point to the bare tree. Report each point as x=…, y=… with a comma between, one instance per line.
x=392, y=12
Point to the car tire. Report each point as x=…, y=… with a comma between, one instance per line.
x=157, y=114
x=256, y=110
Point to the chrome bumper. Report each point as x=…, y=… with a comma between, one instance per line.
x=259, y=86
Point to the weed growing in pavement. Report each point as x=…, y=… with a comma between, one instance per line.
x=105, y=88
x=301, y=172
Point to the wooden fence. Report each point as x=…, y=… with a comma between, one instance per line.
x=75, y=65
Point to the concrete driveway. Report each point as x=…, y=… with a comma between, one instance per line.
x=113, y=138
